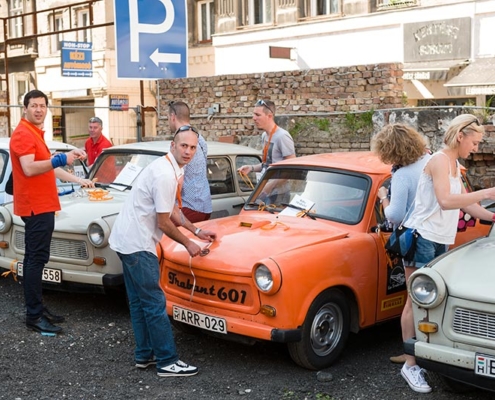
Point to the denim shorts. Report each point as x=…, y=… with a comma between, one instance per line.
x=427, y=250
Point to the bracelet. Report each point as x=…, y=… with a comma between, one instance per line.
x=252, y=168
x=196, y=232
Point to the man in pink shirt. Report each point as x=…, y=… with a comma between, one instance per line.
x=96, y=141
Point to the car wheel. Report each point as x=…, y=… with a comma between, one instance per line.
x=324, y=332
x=448, y=384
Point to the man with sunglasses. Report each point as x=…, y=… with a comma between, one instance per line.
x=149, y=212
x=97, y=141
x=196, y=196
x=277, y=143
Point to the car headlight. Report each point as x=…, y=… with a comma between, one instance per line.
x=427, y=288
x=5, y=220
x=267, y=277
x=263, y=278
x=98, y=233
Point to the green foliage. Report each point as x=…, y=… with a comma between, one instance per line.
x=355, y=122
x=323, y=124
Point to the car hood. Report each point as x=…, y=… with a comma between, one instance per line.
x=78, y=212
x=468, y=270
x=246, y=239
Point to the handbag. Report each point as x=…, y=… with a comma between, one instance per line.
x=402, y=241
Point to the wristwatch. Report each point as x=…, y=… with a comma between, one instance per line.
x=196, y=232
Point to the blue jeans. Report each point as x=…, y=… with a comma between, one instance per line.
x=37, y=237
x=150, y=322
x=426, y=250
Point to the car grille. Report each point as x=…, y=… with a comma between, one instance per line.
x=468, y=322
x=63, y=248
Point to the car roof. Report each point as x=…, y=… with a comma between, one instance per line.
x=52, y=144
x=360, y=161
x=214, y=148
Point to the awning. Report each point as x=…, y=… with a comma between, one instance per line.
x=432, y=70
x=480, y=72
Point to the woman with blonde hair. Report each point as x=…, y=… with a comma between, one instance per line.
x=439, y=197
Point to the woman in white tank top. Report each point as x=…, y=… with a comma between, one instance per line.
x=439, y=196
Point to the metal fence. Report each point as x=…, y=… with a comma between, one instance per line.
x=69, y=124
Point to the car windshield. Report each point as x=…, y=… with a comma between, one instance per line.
x=122, y=168
x=328, y=194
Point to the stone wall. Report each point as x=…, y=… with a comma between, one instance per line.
x=326, y=110
x=307, y=93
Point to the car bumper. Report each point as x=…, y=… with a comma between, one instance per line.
x=241, y=327
x=76, y=281
x=453, y=363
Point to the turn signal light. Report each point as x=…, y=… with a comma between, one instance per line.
x=427, y=327
x=100, y=261
x=4, y=245
x=269, y=311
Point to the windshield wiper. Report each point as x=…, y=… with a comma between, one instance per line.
x=306, y=213
x=121, y=184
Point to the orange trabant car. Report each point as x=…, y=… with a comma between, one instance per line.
x=302, y=264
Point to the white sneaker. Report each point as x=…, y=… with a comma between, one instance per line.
x=414, y=377
x=178, y=368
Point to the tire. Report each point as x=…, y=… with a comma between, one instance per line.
x=324, y=332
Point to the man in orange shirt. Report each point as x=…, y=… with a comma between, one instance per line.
x=36, y=200
x=96, y=141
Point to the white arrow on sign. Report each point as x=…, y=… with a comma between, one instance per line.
x=136, y=28
x=158, y=57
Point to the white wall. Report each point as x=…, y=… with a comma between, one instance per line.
x=368, y=39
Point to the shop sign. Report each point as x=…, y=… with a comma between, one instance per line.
x=119, y=102
x=448, y=39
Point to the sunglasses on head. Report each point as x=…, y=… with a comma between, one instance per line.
x=95, y=119
x=172, y=107
x=184, y=128
x=472, y=122
x=262, y=103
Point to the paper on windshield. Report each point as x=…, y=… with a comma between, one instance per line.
x=300, y=204
x=126, y=176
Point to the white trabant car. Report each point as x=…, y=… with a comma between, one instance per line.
x=78, y=168
x=454, y=317
x=80, y=258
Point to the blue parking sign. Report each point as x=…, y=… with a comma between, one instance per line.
x=151, y=38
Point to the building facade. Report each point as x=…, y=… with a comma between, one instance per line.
x=446, y=46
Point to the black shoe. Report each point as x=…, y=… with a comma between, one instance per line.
x=54, y=319
x=42, y=325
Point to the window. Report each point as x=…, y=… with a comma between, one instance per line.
x=206, y=20
x=314, y=8
x=83, y=20
x=16, y=7
x=256, y=12
x=57, y=23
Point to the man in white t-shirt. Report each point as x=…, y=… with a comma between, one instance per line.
x=149, y=212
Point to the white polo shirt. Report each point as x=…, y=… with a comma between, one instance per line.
x=136, y=227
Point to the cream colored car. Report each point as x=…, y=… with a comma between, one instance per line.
x=454, y=317
x=80, y=258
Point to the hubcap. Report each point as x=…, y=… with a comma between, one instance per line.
x=326, y=329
